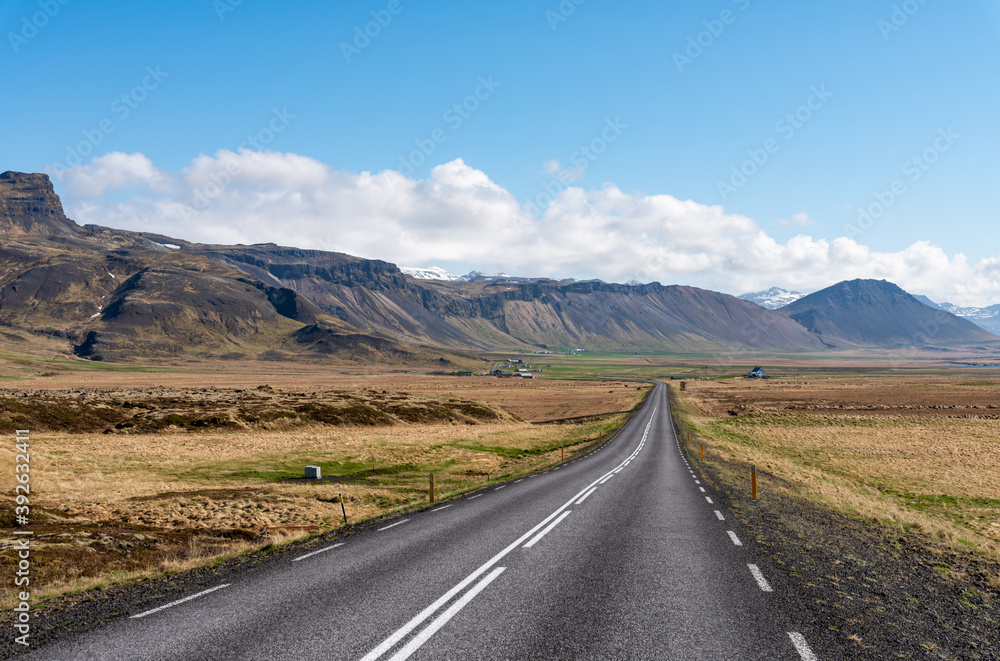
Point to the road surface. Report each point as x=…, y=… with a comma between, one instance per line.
x=622, y=554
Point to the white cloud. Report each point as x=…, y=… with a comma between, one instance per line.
x=801, y=219
x=114, y=171
x=460, y=216
x=557, y=171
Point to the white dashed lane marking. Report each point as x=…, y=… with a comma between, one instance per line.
x=802, y=646
x=719, y=515
x=180, y=601
x=309, y=555
x=732, y=536
x=758, y=576
x=393, y=525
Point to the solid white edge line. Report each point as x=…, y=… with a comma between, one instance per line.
x=759, y=577
x=309, y=555
x=393, y=525
x=719, y=515
x=443, y=618
x=438, y=509
x=447, y=596
x=547, y=529
x=732, y=536
x=802, y=646
x=180, y=601
x=585, y=496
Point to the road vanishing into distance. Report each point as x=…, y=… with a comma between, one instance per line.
x=621, y=554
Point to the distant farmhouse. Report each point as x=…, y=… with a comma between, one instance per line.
x=757, y=373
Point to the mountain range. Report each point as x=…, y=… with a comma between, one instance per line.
x=118, y=295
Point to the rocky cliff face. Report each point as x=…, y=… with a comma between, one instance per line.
x=29, y=205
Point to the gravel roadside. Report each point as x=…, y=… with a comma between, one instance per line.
x=862, y=590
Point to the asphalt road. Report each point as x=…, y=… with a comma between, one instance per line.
x=621, y=554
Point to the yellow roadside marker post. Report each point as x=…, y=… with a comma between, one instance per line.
x=342, y=509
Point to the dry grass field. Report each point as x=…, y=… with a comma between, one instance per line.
x=922, y=453
x=136, y=474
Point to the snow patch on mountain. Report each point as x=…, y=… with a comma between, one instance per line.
x=429, y=273
x=772, y=298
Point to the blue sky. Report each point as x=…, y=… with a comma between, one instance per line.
x=558, y=75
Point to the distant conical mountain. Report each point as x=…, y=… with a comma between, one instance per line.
x=876, y=313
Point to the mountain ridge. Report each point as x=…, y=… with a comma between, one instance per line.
x=119, y=295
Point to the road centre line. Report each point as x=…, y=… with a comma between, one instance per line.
x=802, y=646
x=719, y=515
x=537, y=538
x=585, y=496
x=606, y=479
x=442, y=619
x=393, y=525
x=309, y=555
x=180, y=601
x=732, y=536
x=403, y=631
x=759, y=577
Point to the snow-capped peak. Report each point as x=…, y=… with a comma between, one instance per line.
x=772, y=298
x=429, y=273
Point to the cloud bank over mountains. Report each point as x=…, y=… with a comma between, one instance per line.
x=459, y=216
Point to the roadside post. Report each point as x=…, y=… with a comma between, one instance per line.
x=432, y=488
x=342, y=509
x=753, y=481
